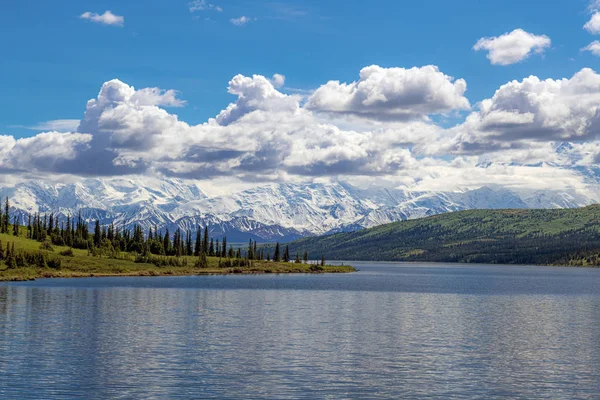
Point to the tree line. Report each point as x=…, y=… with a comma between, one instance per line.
x=109, y=240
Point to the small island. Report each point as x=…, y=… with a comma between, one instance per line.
x=48, y=248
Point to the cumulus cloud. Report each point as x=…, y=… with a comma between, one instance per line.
x=43, y=152
x=532, y=110
x=256, y=93
x=593, y=48
x=278, y=80
x=108, y=18
x=512, y=47
x=158, y=97
x=392, y=94
x=375, y=128
x=593, y=25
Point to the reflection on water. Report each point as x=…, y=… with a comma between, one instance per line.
x=431, y=332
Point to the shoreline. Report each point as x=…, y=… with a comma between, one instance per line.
x=31, y=274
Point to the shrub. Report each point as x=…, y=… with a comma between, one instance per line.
x=54, y=263
x=46, y=245
x=67, y=253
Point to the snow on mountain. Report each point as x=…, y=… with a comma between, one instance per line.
x=265, y=213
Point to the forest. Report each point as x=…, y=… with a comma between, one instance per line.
x=550, y=237
x=48, y=247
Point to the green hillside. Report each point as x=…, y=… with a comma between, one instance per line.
x=566, y=237
x=32, y=259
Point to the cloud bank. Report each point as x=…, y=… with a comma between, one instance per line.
x=380, y=127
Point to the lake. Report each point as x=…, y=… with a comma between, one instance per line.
x=387, y=331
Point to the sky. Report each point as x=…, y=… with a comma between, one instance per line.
x=429, y=95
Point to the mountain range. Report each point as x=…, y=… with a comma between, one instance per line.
x=266, y=213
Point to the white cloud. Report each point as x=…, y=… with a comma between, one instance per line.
x=593, y=48
x=532, y=110
x=44, y=152
x=256, y=93
x=158, y=97
x=392, y=94
x=243, y=20
x=593, y=25
x=512, y=47
x=278, y=80
x=594, y=5
x=58, y=125
x=202, y=5
x=266, y=135
x=108, y=18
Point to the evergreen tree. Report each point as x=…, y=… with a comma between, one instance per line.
x=6, y=217
x=224, y=246
x=167, y=243
x=15, y=226
x=250, y=252
x=277, y=255
x=205, y=241
x=97, y=234
x=322, y=261
x=188, y=244
x=286, y=254
x=211, y=248
x=306, y=257
x=198, y=244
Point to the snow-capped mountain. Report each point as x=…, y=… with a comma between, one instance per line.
x=265, y=213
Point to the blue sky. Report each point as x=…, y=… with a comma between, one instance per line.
x=53, y=61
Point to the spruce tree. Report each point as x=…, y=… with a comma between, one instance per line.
x=224, y=246
x=188, y=244
x=286, y=254
x=198, y=245
x=250, y=252
x=306, y=257
x=205, y=241
x=277, y=255
x=6, y=216
x=167, y=243
x=97, y=234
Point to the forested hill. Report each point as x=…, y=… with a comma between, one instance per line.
x=565, y=236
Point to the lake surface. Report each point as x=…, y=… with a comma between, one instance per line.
x=388, y=331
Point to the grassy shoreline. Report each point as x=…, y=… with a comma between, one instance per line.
x=31, y=273
x=82, y=265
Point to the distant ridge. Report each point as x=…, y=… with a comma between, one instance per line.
x=564, y=236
